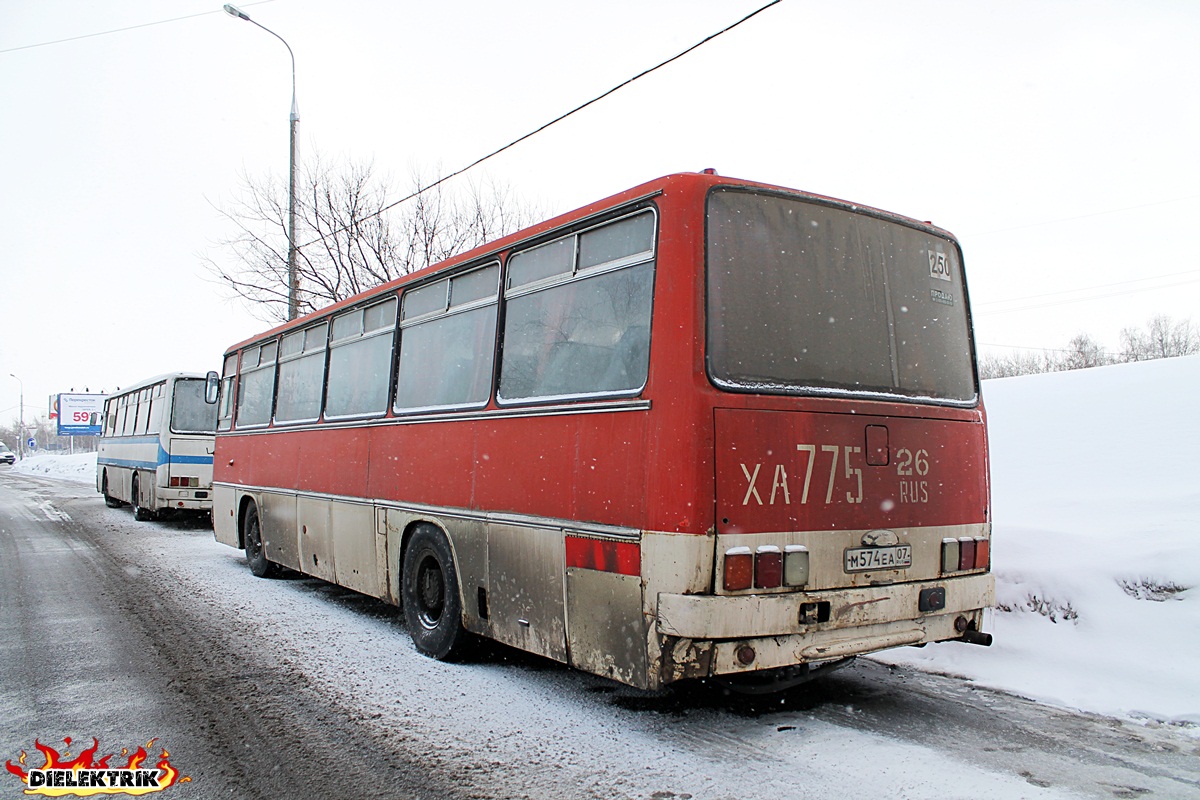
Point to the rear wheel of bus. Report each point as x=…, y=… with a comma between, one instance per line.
x=430, y=593
x=140, y=512
x=256, y=554
x=109, y=500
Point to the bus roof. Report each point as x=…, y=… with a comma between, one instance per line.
x=682, y=180
x=142, y=384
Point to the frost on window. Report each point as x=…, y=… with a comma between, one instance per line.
x=447, y=351
x=189, y=412
x=582, y=337
x=360, y=361
x=583, y=326
x=256, y=384
x=804, y=297
x=301, y=375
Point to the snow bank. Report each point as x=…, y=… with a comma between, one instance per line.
x=77, y=468
x=1096, y=498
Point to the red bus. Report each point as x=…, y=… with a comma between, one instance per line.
x=703, y=428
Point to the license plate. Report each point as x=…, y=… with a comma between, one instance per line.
x=862, y=559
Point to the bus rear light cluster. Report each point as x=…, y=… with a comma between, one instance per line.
x=964, y=553
x=766, y=567
x=184, y=483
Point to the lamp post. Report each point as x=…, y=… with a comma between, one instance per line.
x=293, y=278
x=21, y=424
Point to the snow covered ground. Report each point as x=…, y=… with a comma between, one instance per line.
x=1096, y=509
x=1096, y=496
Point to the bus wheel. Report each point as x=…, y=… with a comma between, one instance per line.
x=256, y=554
x=140, y=512
x=429, y=590
x=109, y=500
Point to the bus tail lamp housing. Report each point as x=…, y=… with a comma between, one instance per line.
x=795, y=565
x=766, y=567
x=184, y=483
x=739, y=569
x=965, y=553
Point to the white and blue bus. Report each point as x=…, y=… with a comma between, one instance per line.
x=156, y=449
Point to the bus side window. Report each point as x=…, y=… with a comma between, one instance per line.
x=143, y=417
x=129, y=420
x=301, y=374
x=257, y=384
x=448, y=342
x=110, y=417
x=225, y=405
x=156, y=407
x=360, y=361
x=589, y=332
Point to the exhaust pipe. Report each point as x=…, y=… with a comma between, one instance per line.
x=975, y=637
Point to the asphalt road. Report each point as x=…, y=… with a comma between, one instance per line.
x=94, y=645
x=98, y=641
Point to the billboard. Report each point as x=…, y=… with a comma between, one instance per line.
x=80, y=414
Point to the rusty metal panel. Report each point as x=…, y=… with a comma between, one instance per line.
x=526, y=588
x=605, y=626
x=680, y=563
x=277, y=516
x=316, y=544
x=224, y=515
x=352, y=535
x=746, y=616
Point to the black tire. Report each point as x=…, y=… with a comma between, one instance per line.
x=109, y=500
x=430, y=594
x=256, y=554
x=140, y=513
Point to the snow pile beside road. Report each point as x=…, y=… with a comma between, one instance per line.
x=77, y=467
x=1096, y=498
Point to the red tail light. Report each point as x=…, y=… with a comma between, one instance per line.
x=966, y=553
x=739, y=569
x=983, y=553
x=768, y=567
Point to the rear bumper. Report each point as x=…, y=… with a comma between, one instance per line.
x=704, y=633
x=185, y=499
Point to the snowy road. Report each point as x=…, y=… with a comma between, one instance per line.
x=127, y=631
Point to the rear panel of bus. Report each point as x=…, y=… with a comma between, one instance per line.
x=850, y=472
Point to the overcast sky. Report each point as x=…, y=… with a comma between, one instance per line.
x=1057, y=140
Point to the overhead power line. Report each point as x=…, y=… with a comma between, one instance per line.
x=1102, y=286
x=554, y=121
x=1087, y=216
x=122, y=30
x=1088, y=298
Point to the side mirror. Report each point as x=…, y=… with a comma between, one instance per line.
x=212, y=385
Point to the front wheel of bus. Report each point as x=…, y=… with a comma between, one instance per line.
x=256, y=554
x=429, y=590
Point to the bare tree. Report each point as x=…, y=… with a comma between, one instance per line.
x=1082, y=352
x=1010, y=366
x=1162, y=337
x=348, y=240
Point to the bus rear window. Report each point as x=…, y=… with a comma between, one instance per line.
x=806, y=298
x=189, y=412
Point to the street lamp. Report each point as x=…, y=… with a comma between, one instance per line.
x=293, y=278
x=21, y=424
